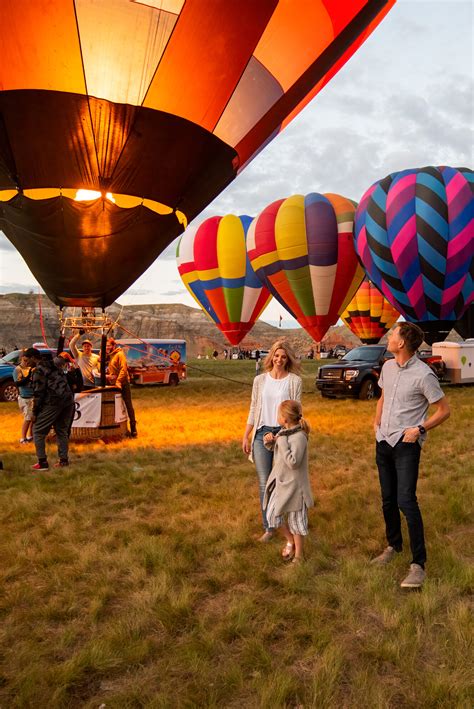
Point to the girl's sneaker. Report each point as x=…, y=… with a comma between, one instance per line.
x=61, y=464
x=23, y=440
x=29, y=439
x=40, y=466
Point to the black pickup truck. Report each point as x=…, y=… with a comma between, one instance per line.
x=357, y=373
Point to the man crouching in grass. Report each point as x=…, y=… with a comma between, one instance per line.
x=408, y=386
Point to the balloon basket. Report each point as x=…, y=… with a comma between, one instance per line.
x=108, y=429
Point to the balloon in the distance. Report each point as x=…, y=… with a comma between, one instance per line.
x=369, y=315
x=302, y=250
x=159, y=105
x=214, y=266
x=414, y=234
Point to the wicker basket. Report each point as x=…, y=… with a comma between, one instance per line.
x=108, y=429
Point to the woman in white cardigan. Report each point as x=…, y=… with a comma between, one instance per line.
x=279, y=382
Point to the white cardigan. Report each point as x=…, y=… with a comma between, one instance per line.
x=295, y=388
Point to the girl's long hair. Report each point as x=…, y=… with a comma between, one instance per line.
x=292, y=411
x=292, y=364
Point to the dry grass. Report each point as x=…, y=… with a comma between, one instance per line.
x=131, y=579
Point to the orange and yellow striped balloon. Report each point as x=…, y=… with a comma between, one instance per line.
x=369, y=315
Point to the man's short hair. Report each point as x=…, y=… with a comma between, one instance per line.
x=412, y=334
x=32, y=352
x=111, y=341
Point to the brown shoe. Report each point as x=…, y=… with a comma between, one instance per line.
x=385, y=557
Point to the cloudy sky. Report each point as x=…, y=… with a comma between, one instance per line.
x=406, y=99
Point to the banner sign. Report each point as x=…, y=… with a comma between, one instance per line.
x=87, y=410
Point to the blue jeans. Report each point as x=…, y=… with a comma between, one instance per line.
x=398, y=475
x=263, y=459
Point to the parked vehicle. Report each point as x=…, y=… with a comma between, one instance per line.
x=338, y=351
x=8, y=388
x=458, y=360
x=357, y=374
x=263, y=354
x=153, y=361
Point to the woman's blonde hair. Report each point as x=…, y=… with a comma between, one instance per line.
x=292, y=412
x=292, y=364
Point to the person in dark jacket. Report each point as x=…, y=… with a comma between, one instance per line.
x=53, y=407
x=73, y=373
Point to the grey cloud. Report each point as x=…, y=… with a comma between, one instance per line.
x=454, y=98
x=173, y=292
x=139, y=291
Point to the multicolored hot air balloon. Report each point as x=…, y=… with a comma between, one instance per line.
x=157, y=103
x=369, y=315
x=302, y=250
x=414, y=234
x=213, y=264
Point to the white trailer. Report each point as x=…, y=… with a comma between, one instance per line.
x=459, y=360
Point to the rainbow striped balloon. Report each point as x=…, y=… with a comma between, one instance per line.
x=302, y=250
x=214, y=267
x=414, y=233
x=369, y=315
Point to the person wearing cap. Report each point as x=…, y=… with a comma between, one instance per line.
x=118, y=375
x=53, y=406
x=86, y=360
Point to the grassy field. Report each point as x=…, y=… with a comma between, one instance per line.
x=132, y=578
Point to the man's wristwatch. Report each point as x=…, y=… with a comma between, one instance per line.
x=421, y=429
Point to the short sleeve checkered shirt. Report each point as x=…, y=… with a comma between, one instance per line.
x=409, y=389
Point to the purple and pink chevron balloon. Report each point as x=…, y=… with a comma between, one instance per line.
x=414, y=233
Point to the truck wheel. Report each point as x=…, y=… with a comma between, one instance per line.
x=368, y=389
x=8, y=391
x=174, y=380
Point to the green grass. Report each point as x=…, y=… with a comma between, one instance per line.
x=132, y=578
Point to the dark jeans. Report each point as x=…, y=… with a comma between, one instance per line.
x=127, y=398
x=58, y=417
x=398, y=475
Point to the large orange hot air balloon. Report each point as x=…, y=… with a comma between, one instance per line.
x=213, y=263
x=369, y=315
x=158, y=103
x=302, y=250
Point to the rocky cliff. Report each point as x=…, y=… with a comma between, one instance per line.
x=21, y=325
